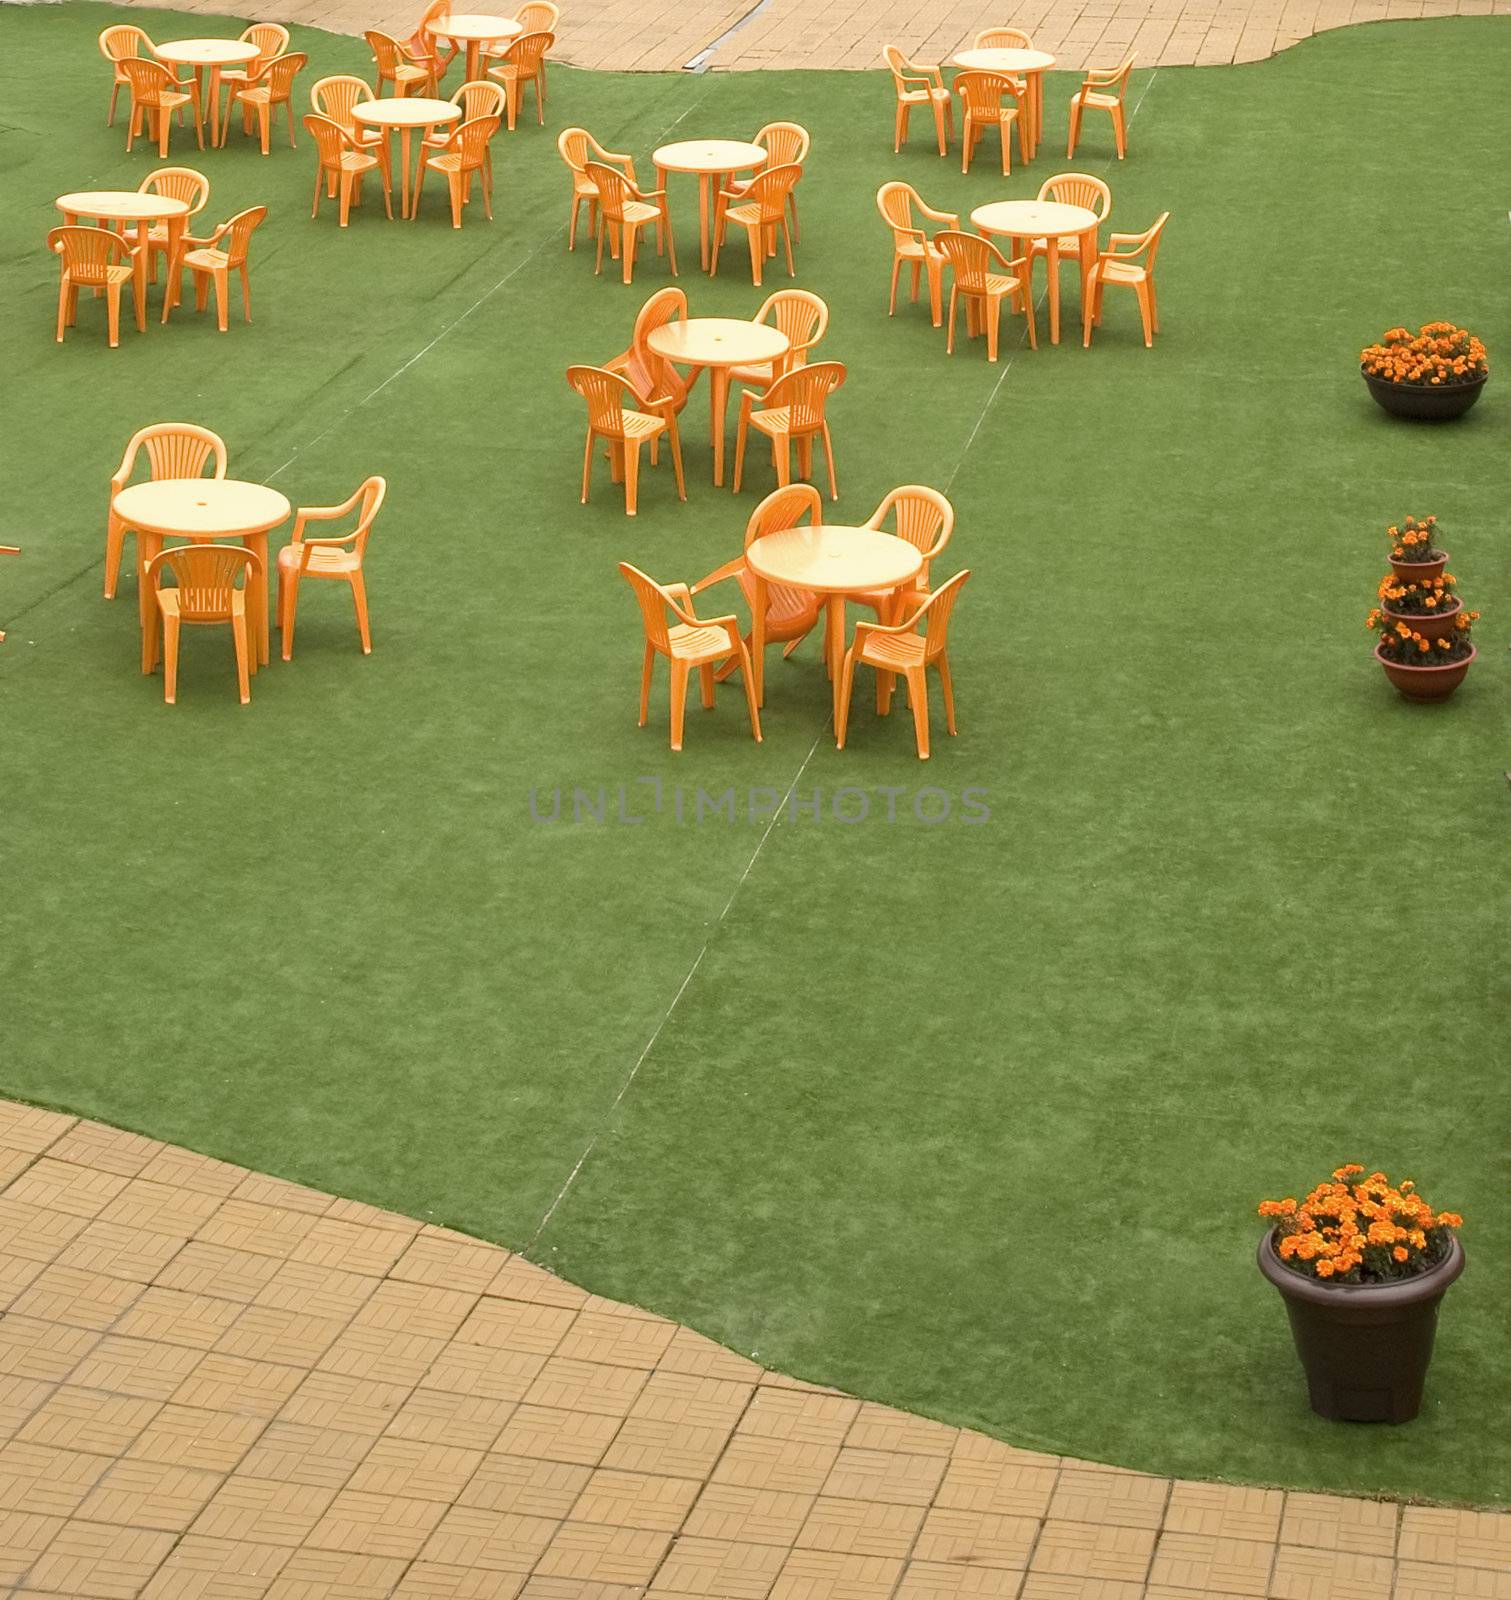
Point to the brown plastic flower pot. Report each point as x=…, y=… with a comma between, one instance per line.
x=1419, y=571
x=1427, y=683
x=1430, y=624
x=1425, y=402
x=1365, y=1347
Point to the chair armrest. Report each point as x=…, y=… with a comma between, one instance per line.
x=730, y=569
x=951, y=217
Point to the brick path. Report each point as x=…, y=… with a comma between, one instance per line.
x=663, y=35
x=220, y=1386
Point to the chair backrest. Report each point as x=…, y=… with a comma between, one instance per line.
x=206, y=575
x=1116, y=79
x=239, y=231
x=895, y=201
x=178, y=183
x=984, y=92
x=480, y=98
x=577, y=147
x=654, y=375
x=788, y=143
x=278, y=74
x=88, y=252
x=469, y=140
x=540, y=16
x=330, y=137
x=271, y=38
x=769, y=190
x=388, y=54
x=1147, y=243
x=175, y=450
x=920, y=515
x=653, y=601
x=372, y=492
x=122, y=42
x=936, y=611
x=1078, y=189
x=801, y=315
x=614, y=189
x=527, y=52
x=780, y=510
x=1003, y=39
x=604, y=392
x=805, y=392
x=336, y=97
x=971, y=259
x=901, y=67
x=147, y=78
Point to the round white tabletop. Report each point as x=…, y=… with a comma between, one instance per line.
x=201, y=508
x=1003, y=60
x=718, y=342
x=122, y=205
x=406, y=111
x=709, y=155
x=1028, y=219
x=474, y=27
x=834, y=560
x=206, y=52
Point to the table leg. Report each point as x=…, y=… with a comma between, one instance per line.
x=705, y=184
x=758, y=639
x=212, y=104
x=404, y=181
x=139, y=277
x=257, y=543
x=1088, y=258
x=1052, y=261
x=718, y=406
x=834, y=648
x=176, y=227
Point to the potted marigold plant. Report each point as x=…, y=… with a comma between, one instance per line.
x=1423, y=668
x=1362, y=1266
x=1428, y=607
x=1414, y=552
x=1431, y=375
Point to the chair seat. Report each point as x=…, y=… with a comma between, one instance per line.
x=170, y=100
x=894, y=650
x=232, y=75
x=408, y=74
x=914, y=250
x=1089, y=97
x=507, y=71
x=762, y=373
x=451, y=162
x=207, y=260
x=748, y=216
x=921, y=97
x=357, y=161
x=698, y=644
x=639, y=211
x=259, y=95
x=994, y=283
x=98, y=277
x=779, y=420
x=639, y=426
x=1122, y=272
x=1068, y=243
x=326, y=560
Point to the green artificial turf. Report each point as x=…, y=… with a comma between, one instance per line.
x=970, y=1117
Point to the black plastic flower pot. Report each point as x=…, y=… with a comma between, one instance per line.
x=1365, y=1347
x=1425, y=402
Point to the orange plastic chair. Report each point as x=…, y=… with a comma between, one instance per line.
x=791, y=614
x=1102, y=91
x=1003, y=39
x=983, y=96
x=338, y=97
x=919, y=85
x=803, y=317
x=342, y=164
x=787, y=145
x=271, y=39
x=207, y=593
x=522, y=61
x=624, y=430
x=477, y=99
x=1072, y=189
x=539, y=16
x=212, y=262
x=174, y=450
x=272, y=85
x=425, y=49
x=395, y=67
x=911, y=244
x=578, y=147
x=1129, y=259
x=93, y=258
x=926, y=520
x=155, y=95
x=660, y=387
x=624, y=209
x=122, y=43
x=690, y=642
x=971, y=259
x=794, y=408
x=178, y=183
x=463, y=157
x=900, y=650
x=331, y=555
x=761, y=212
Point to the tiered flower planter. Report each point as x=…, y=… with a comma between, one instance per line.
x=1424, y=646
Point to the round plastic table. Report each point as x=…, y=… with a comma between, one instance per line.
x=211, y=53
x=202, y=509
x=406, y=113
x=1021, y=220
x=832, y=561
x=714, y=160
x=132, y=208
x=475, y=29
x=718, y=343
x=1027, y=64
